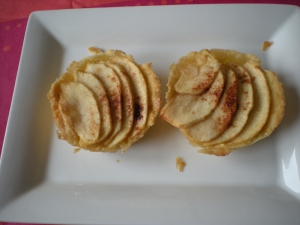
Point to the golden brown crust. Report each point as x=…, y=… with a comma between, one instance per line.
x=217, y=151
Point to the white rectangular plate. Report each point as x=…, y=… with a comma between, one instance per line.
x=43, y=181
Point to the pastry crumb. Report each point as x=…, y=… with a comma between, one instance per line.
x=266, y=45
x=94, y=50
x=59, y=135
x=180, y=164
x=76, y=150
x=118, y=160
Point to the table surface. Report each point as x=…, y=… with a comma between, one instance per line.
x=13, y=20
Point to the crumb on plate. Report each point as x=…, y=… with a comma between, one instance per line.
x=76, y=150
x=180, y=164
x=94, y=50
x=266, y=45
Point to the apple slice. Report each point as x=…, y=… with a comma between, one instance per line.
x=197, y=76
x=245, y=101
x=95, y=85
x=219, y=120
x=185, y=110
